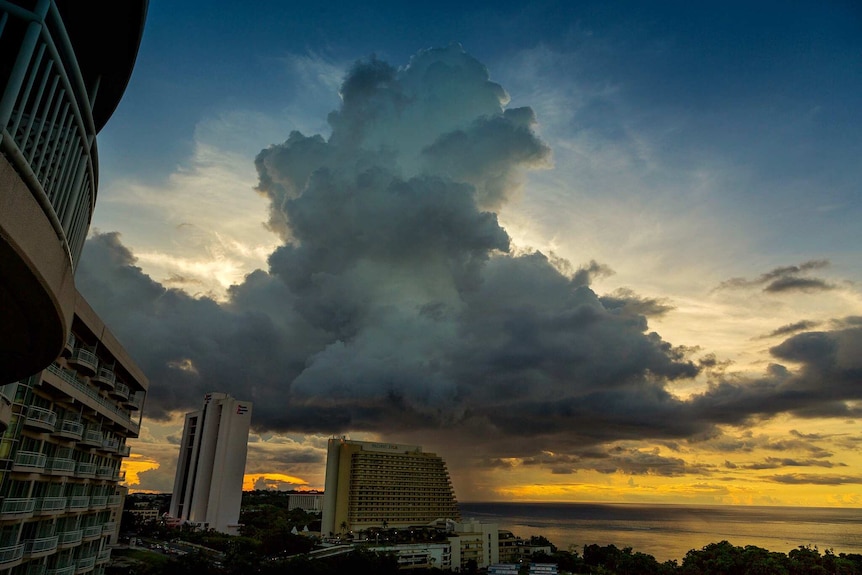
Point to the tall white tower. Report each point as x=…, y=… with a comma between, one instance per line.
x=211, y=464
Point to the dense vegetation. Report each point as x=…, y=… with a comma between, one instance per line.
x=271, y=543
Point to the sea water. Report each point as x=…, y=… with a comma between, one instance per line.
x=670, y=531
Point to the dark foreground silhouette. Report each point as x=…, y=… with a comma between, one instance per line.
x=720, y=558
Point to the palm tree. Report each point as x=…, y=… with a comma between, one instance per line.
x=343, y=526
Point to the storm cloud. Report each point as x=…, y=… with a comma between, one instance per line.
x=395, y=303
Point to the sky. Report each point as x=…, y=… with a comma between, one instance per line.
x=583, y=251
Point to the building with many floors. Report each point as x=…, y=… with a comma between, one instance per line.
x=377, y=484
x=211, y=465
x=64, y=66
x=62, y=452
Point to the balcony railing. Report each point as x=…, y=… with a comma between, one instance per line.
x=103, y=557
x=85, y=359
x=60, y=465
x=93, y=437
x=119, y=475
x=124, y=450
x=92, y=531
x=51, y=504
x=40, y=418
x=105, y=472
x=85, y=563
x=110, y=444
x=78, y=502
x=69, y=428
x=17, y=506
x=11, y=553
x=69, y=538
x=105, y=377
x=83, y=469
x=72, y=379
x=120, y=391
x=35, y=569
x=29, y=461
x=114, y=500
x=41, y=545
x=64, y=570
x=109, y=527
x=135, y=400
x=98, y=501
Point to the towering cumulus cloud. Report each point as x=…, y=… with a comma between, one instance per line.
x=395, y=303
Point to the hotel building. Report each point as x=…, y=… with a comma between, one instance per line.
x=211, y=465
x=371, y=484
x=61, y=454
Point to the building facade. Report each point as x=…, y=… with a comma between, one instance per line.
x=62, y=452
x=211, y=466
x=308, y=501
x=64, y=66
x=377, y=484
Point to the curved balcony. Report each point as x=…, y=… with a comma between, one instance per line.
x=105, y=472
x=109, y=527
x=114, y=500
x=56, y=60
x=35, y=569
x=135, y=401
x=50, y=505
x=92, y=532
x=40, y=547
x=69, y=429
x=124, y=450
x=120, y=391
x=85, y=360
x=60, y=466
x=11, y=554
x=105, y=378
x=16, y=507
x=103, y=557
x=85, y=564
x=61, y=570
x=40, y=418
x=111, y=444
x=79, y=502
x=69, y=539
x=98, y=502
x=29, y=462
x=93, y=438
x=85, y=470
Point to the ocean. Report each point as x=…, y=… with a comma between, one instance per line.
x=670, y=531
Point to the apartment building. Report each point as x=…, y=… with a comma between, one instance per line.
x=62, y=452
x=64, y=66
x=211, y=465
x=378, y=484
x=475, y=541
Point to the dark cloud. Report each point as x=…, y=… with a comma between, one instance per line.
x=626, y=301
x=792, y=328
x=394, y=304
x=813, y=479
x=263, y=483
x=775, y=463
x=798, y=284
x=785, y=279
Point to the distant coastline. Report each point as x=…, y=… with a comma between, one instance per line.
x=669, y=531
